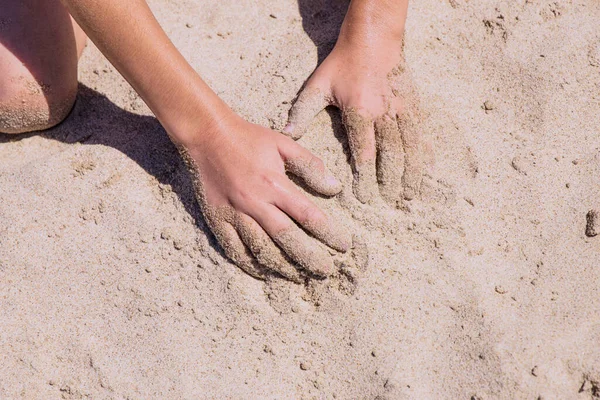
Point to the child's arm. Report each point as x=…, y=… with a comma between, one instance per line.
x=365, y=77
x=243, y=190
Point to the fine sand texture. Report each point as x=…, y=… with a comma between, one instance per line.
x=485, y=287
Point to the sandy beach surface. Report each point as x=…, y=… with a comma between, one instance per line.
x=487, y=287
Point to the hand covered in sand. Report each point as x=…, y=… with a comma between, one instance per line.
x=373, y=90
x=250, y=204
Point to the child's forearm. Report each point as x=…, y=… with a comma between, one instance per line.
x=369, y=21
x=130, y=37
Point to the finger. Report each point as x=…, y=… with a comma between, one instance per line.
x=232, y=245
x=294, y=241
x=310, y=217
x=310, y=102
x=390, y=158
x=413, y=157
x=309, y=168
x=361, y=138
x=264, y=250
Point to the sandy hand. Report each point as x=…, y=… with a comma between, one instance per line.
x=250, y=204
x=379, y=111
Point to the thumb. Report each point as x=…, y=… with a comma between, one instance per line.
x=310, y=102
x=309, y=168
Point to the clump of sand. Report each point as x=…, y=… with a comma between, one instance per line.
x=485, y=287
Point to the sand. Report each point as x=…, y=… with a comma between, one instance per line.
x=484, y=287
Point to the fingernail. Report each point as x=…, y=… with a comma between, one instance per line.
x=331, y=180
x=289, y=128
x=341, y=238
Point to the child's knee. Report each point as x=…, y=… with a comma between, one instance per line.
x=27, y=106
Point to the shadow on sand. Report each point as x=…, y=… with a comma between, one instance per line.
x=322, y=20
x=95, y=120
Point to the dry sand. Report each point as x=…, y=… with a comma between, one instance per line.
x=487, y=288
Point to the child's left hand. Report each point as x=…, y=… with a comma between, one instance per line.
x=368, y=82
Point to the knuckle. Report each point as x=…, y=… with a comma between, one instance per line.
x=227, y=244
x=280, y=226
x=316, y=163
x=232, y=254
x=361, y=101
x=287, y=143
x=316, y=84
x=270, y=182
x=309, y=213
x=367, y=103
x=243, y=200
x=244, y=195
x=235, y=255
x=353, y=113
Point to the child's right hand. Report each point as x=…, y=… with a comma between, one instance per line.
x=251, y=205
x=240, y=168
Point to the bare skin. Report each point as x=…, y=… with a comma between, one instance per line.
x=34, y=35
x=365, y=77
x=249, y=201
x=257, y=214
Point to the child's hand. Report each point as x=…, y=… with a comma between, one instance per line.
x=370, y=85
x=249, y=202
x=239, y=168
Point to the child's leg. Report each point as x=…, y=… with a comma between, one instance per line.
x=39, y=49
